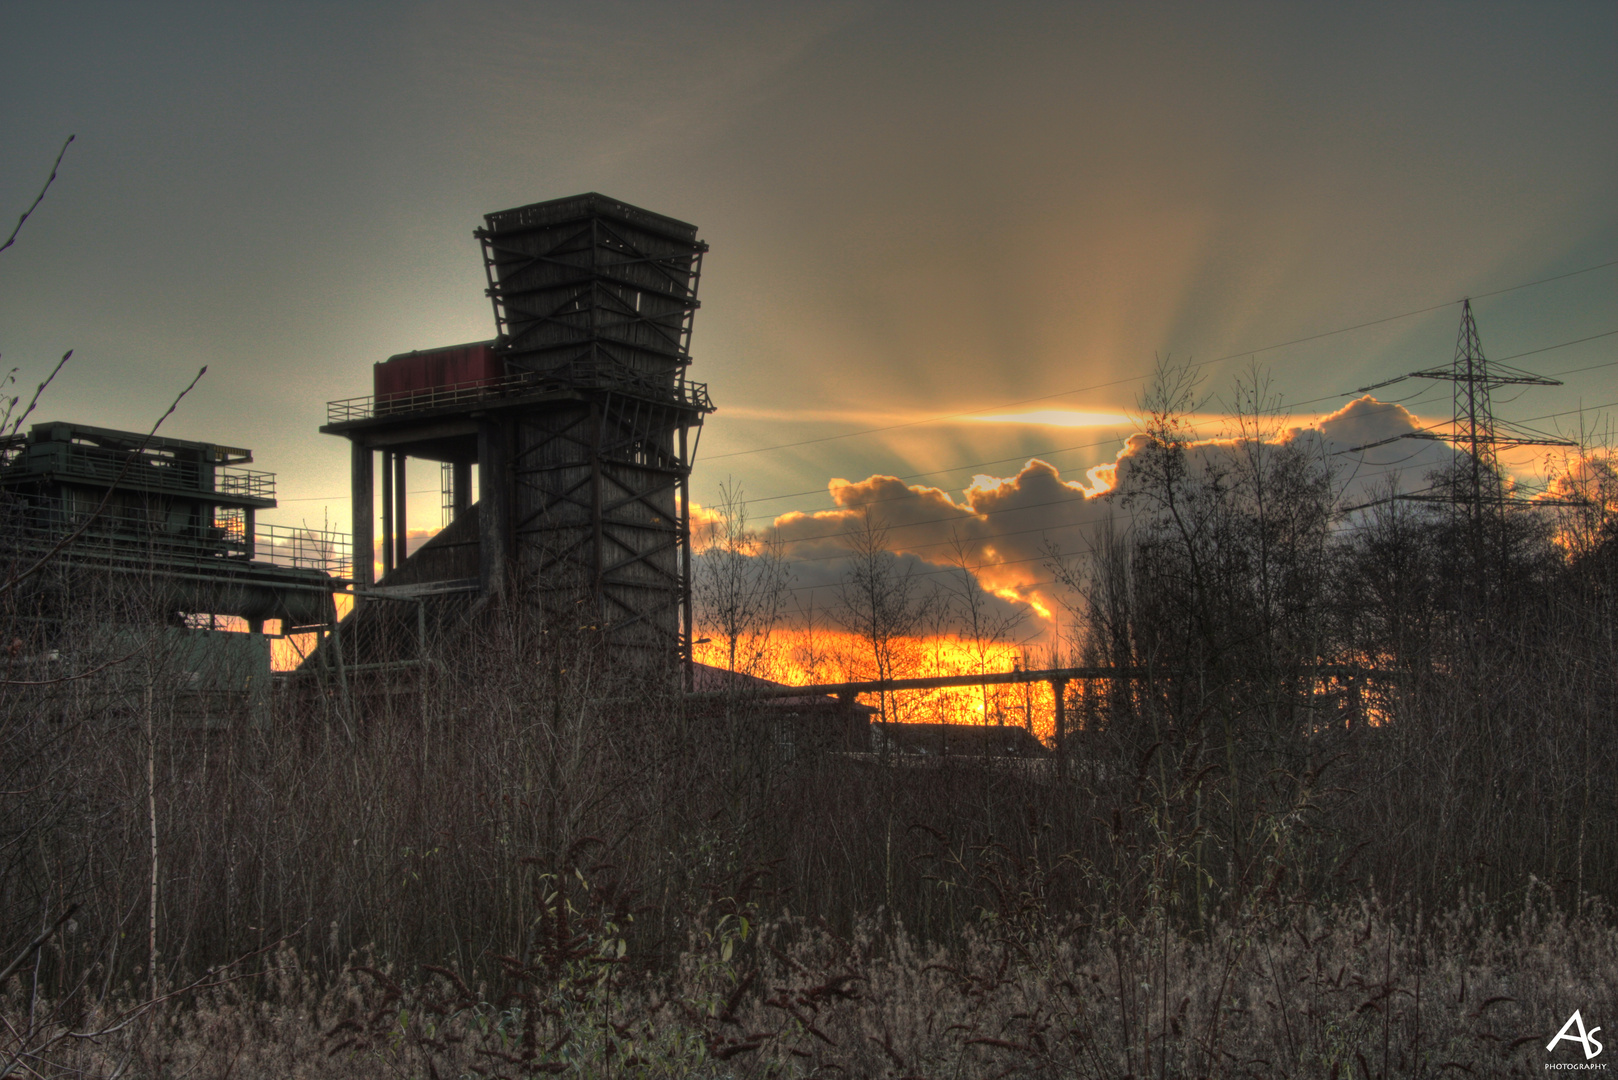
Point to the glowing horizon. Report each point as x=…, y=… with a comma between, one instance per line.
x=1068, y=418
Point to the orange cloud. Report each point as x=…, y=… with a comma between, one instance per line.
x=1006, y=526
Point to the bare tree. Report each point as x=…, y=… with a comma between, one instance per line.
x=981, y=626
x=741, y=584
x=879, y=601
x=812, y=653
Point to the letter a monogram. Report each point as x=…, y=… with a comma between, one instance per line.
x=1583, y=1038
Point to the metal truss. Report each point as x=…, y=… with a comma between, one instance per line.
x=1474, y=430
x=598, y=514
x=597, y=292
x=599, y=297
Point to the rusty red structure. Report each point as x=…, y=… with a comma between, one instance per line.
x=577, y=420
x=399, y=380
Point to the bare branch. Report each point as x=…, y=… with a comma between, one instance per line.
x=12, y=239
x=124, y=659
x=23, y=956
x=16, y=424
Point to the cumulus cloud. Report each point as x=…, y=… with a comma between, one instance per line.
x=1006, y=525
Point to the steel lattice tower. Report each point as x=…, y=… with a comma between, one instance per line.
x=1477, y=492
x=596, y=297
x=1475, y=430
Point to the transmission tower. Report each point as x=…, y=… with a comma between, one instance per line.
x=1477, y=493
x=1474, y=428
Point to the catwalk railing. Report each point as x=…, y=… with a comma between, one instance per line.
x=580, y=376
x=126, y=538
x=146, y=470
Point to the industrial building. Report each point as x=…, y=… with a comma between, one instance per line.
x=119, y=530
x=578, y=423
x=564, y=445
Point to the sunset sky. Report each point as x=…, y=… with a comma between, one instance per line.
x=969, y=227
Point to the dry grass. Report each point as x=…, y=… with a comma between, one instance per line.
x=1299, y=993
x=594, y=867
x=520, y=860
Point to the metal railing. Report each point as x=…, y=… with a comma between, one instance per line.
x=565, y=377
x=306, y=549
x=433, y=397
x=128, y=538
x=230, y=480
x=147, y=470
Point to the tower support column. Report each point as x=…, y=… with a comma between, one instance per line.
x=387, y=512
x=494, y=501
x=460, y=488
x=360, y=496
x=401, y=508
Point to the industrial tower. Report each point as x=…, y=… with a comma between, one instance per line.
x=178, y=516
x=578, y=419
x=117, y=544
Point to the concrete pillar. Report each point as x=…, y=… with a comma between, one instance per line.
x=387, y=512
x=460, y=488
x=360, y=495
x=494, y=508
x=401, y=509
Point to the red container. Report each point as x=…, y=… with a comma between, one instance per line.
x=413, y=375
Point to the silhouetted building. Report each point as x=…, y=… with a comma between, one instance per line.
x=118, y=544
x=577, y=421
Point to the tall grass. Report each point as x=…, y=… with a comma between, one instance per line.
x=520, y=856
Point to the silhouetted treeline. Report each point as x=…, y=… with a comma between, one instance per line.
x=1313, y=707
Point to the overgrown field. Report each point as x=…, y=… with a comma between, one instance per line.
x=1346, y=808
x=1296, y=993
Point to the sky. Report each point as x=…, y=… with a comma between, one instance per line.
x=946, y=238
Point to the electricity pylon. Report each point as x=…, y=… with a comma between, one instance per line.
x=1475, y=491
x=1474, y=429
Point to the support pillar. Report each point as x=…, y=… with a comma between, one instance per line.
x=460, y=486
x=360, y=496
x=401, y=510
x=598, y=540
x=851, y=733
x=387, y=512
x=494, y=502
x=1059, y=689
x=689, y=645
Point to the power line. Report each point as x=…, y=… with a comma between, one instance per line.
x=1026, y=456
x=1200, y=364
x=1046, y=528
x=1430, y=431
x=1051, y=452
x=1384, y=469
x=911, y=494
x=1106, y=442
x=1008, y=562
x=971, y=514
x=1542, y=281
